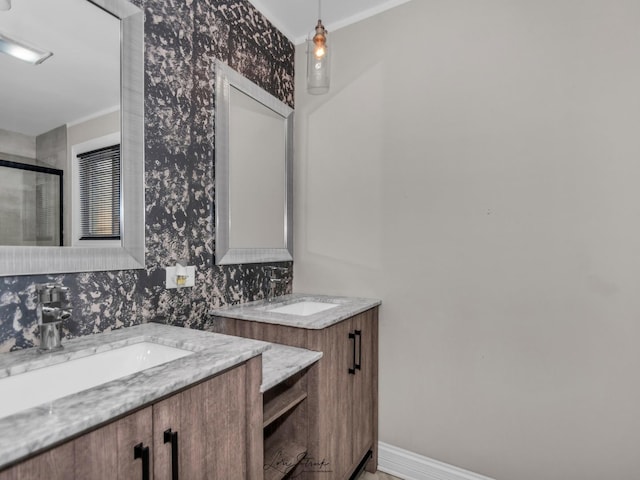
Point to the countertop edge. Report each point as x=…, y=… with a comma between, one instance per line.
x=257, y=311
x=48, y=425
x=281, y=362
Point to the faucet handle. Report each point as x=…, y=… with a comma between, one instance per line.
x=61, y=293
x=44, y=292
x=272, y=269
x=49, y=293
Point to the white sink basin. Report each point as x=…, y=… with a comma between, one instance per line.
x=303, y=308
x=43, y=385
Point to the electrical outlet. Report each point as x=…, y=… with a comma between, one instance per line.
x=172, y=274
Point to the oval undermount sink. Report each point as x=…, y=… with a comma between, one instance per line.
x=303, y=308
x=43, y=385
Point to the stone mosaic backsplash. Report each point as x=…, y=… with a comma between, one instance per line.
x=182, y=39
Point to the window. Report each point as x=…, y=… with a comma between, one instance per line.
x=99, y=175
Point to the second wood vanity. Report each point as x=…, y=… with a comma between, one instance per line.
x=341, y=415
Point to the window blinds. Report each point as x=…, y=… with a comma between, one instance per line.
x=99, y=172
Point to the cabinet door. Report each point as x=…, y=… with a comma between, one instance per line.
x=208, y=421
x=363, y=408
x=350, y=383
x=167, y=416
x=330, y=404
x=55, y=464
x=109, y=452
x=226, y=426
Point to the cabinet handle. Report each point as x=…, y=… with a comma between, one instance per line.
x=352, y=370
x=172, y=438
x=359, y=335
x=139, y=451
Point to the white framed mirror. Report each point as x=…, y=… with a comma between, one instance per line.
x=127, y=252
x=254, y=181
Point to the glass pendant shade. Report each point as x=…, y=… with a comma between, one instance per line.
x=318, y=57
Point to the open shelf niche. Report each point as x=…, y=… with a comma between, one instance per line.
x=285, y=427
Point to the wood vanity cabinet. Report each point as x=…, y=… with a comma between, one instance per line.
x=104, y=453
x=108, y=452
x=347, y=392
x=54, y=464
x=342, y=405
x=211, y=449
x=203, y=428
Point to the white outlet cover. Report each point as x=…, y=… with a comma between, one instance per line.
x=170, y=279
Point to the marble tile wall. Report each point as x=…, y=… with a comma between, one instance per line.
x=182, y=39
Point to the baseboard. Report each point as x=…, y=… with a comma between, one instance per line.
x=411, y=466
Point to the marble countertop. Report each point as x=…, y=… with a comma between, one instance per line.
x=39, y=427
x=259, y=311
x=281, y=362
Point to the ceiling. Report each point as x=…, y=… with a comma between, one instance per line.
x=297, y=18
x=82, y=77
x=38, y=98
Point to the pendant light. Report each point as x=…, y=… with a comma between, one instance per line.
x=318, y=59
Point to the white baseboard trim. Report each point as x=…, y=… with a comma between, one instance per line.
x=411, y=466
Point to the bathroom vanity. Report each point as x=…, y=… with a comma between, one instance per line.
x=202, y=412
x=182, y=403
x=342, y=402
x=145, y=445
x=174, y=402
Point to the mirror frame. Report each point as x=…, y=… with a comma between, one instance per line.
x=15, y=260
x=226, y=77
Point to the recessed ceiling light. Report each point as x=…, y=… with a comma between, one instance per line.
x=21, y=51
x=5, y=4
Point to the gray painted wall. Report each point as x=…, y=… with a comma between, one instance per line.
x=14, y=143
x=476, y=167
x=51, y=148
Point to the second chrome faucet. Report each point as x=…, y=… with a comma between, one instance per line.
x=274, y=280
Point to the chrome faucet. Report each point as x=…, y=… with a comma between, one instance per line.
x=53, y=308
x=274, y=280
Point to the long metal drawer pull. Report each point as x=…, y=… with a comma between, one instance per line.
x=352, y=370
x=142, y=452
x=172, y=438
x=359, y=335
